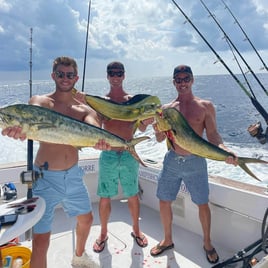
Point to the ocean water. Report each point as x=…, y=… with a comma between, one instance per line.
x=234, y=109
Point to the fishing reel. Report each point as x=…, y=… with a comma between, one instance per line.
x=30, y=176
x=256, y=130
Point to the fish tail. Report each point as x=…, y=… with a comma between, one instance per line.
x=242, y=161
x=131, y=148
x=137, y=140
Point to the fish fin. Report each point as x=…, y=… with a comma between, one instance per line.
x=133, y=100
x=136, y=156
x=242, y=163
x=136, y=125
x=169, y=144
x=248, y=160
x=137, y=140
x=136, y=98
x=131, y=148
x=100, y=98
x=170, y=139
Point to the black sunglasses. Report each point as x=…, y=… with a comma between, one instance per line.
x=118, y=74
x=69, y=75
x=186, y=79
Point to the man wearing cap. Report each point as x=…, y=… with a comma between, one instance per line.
x=118, y=165
x=180, y=164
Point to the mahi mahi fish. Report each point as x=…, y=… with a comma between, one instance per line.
x=139, y=107
x=45, y=125
x=180, y=132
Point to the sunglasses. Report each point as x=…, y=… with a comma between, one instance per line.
x=118, y=74
x=186, y=79
x=69, y=75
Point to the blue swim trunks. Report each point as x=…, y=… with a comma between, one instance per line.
x=115, y=166
x=191, y=169
x=61, y=187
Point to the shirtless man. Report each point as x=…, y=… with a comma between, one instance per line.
x=117, y=165
x=62, y=180
x=200, y=114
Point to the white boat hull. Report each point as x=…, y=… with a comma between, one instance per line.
x=237, y=211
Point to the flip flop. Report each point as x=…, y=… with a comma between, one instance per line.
x=160, y=249
x=100, y=245
x=209, y=253
x=141, y=241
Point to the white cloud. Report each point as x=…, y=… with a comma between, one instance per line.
x=149, y=36
x=261, y=6
x=4, y=6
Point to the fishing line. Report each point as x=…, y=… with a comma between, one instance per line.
x=85, y=56
x=256, y=104
x=247, y=38
x=233, y=45
x=213, y=50
x=244, y=75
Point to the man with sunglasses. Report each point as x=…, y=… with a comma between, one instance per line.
x=115, y=165
x=62, y=178
x=181, y=165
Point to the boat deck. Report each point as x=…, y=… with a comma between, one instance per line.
x=121, y=250
x=237, y=212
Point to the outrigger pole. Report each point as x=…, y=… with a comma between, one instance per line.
x=247, y=38
x=254, y=101
x=233, y=45
x=85, y=56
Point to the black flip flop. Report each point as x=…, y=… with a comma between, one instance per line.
x=160, y=249
x=140, y=240
x=210, y=253
x=100, y=244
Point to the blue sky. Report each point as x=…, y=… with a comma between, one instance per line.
x=149, y=37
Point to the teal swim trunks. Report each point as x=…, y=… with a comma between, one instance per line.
x=115, y=166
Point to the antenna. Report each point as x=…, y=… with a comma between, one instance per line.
x=31, y=61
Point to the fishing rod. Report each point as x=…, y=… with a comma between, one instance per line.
x=28, y=233
x=85, y=56
x=30, y=142
x=255, y=130
x=247, y=38
x=254, y=101
x=214, y=51
x=233, y=45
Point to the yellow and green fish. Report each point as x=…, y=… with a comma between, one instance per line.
x=45, y=125
x=181, y=133
x=138, y=108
